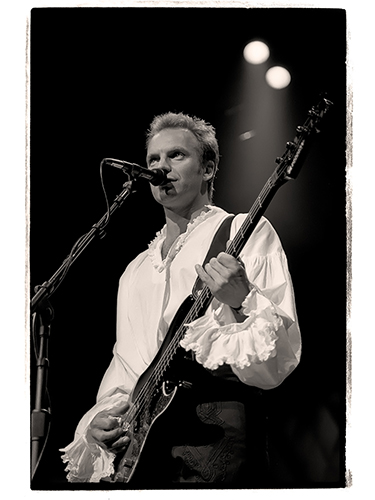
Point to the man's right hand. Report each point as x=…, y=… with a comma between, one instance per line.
x=106, y=429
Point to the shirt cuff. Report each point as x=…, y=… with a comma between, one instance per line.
x=87, y=461
x=216, y=339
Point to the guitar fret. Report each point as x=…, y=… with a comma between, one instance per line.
x=242, y=231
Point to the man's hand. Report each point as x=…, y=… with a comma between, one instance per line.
x=226, y=278
x=106, y=429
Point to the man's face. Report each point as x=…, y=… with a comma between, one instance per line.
x=177, y=151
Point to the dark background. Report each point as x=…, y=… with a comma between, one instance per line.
x=98, y=76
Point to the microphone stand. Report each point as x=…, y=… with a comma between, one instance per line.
x=41, y=307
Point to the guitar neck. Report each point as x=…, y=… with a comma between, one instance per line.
x=255, y=213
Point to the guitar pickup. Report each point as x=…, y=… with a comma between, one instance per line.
x=127, y=462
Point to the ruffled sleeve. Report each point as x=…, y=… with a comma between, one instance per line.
x=86, y=461
x=238, y=344
x=266, y=347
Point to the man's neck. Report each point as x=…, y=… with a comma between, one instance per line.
x=177, y=224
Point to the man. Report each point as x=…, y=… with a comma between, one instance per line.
x=247, y=341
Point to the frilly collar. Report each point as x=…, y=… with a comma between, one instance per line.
x=155, y=247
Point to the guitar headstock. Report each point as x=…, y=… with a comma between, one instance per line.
x=290, y=163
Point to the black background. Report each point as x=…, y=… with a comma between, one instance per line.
x=98, y=76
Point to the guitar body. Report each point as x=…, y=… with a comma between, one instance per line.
x=156, y=394
x=138, y=432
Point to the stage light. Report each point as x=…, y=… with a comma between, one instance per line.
x=256, y=52
x=247, y=135
x=278, y=77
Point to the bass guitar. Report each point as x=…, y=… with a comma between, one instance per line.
x=158, y=385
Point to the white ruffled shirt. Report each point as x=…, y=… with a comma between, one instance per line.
x=261, y=351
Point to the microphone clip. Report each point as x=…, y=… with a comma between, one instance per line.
x=156, y=176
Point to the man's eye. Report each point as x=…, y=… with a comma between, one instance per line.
x=177, y=154
x=152, y=161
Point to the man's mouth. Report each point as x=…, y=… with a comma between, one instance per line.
x=167, y=186
x=168, y=183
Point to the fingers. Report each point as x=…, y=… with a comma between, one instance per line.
x=106, y=428
x=206, y=278
x=220, y=270
x=226, y=278
x=109, y=419
x=104, y=437
x=119, y=410
x=230, y=262
x=121, y=444
x=104, y=421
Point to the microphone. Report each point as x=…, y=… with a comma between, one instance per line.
x=156, y=176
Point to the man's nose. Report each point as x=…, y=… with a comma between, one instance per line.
x=164, y=163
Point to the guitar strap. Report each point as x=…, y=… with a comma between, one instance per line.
x=218, y=245
x=212, y=449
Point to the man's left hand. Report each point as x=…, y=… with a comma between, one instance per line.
x=225, y=276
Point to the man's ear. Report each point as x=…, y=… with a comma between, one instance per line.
x=209, y=169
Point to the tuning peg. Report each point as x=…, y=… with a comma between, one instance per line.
x=301, y=129
x=291, y=145
x=328, y=102
x=313, y=112
x=278, y=159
